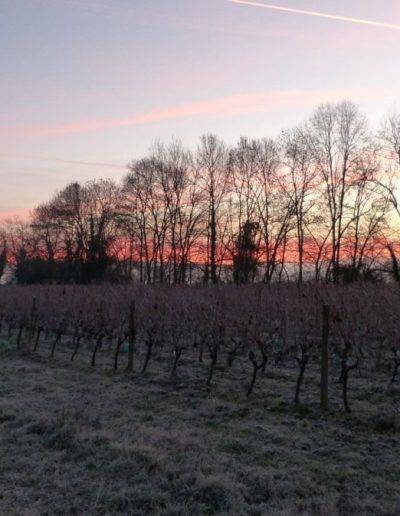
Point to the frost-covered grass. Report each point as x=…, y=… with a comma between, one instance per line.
x=83, y=440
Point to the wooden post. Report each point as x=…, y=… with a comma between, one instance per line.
x=325, y=358
x=132, y=336
x=32, y=320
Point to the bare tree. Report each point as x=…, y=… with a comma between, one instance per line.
x=212, y=159
x=390, y=135
x=338, y=139
x=146, y=209
x=274, y=209
x=299, y=184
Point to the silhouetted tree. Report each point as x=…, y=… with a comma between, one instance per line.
x=245, y=258
x=212, y=159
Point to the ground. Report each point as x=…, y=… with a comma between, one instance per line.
x=76, y=439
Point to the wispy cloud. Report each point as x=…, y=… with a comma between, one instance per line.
x=96, y=164
x=395, y=26
x=222, y=107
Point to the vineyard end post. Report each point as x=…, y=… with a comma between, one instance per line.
x=132, y=334
x=324, y=386
x=32, y=317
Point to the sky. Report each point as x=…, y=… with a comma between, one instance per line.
x=88, y=85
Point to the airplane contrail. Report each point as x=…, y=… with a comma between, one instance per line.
x=316, y=14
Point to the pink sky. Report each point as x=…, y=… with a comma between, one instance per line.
x=88, y=86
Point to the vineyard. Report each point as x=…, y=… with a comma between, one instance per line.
x=283, y=396
x=276, y=325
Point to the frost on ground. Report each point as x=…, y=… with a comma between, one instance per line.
x=82, y=440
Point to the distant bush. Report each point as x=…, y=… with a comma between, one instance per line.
x=350, y=274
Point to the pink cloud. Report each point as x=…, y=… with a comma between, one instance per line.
x=223, y=107
x=22, y=213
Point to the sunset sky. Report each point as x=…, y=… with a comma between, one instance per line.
x=87, y=85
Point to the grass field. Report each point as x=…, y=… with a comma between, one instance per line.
x=82, y=440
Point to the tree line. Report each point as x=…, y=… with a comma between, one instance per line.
x=318, y=202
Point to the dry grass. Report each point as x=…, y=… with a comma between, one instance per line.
x=82, y=440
